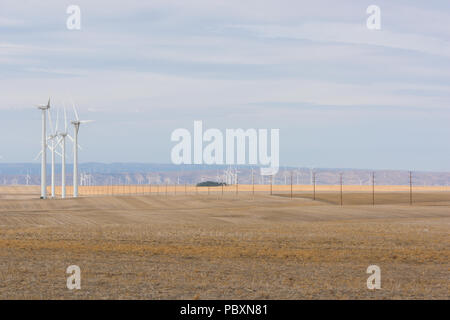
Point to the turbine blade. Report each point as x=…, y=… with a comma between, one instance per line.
x=59, y=141
x=75, y=111
x=38, y=155
x=86, y=121
x=71, y=139
x=57, y=120
x=53, y=144
x=65, y=119
x=51, y=123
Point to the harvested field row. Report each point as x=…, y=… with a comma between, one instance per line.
x=267, y=247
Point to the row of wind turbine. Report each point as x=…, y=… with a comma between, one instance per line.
x=58, y=139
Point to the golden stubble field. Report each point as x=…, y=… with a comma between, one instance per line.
x=232, y=247
x=165, y=189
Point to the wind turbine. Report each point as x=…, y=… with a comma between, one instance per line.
x=53, y=146
x=311, y=171
x=44, y=109
x=28, y=177
x=285, y=176
x=76, y=123
x=236, y=175
x=62, y=141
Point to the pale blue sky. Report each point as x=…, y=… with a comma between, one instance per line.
x=341, y=95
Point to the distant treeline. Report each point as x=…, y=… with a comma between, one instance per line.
x=211, y=184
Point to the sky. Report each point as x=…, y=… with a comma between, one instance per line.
x=343, y=96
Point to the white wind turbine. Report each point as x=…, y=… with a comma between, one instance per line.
x=297, y=173
x=286, y=174
x=52, y=148
x=236, y=181
x=44, y=109
x=28, y=178
x=311, y=173
x=52, y=137
x=62, y=141
x=76, y=123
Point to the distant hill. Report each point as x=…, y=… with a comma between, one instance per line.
x=143, y=173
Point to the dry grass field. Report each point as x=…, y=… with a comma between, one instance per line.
x=201, y=246
x=162, y=189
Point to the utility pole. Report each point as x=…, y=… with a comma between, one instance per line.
x=341, y=189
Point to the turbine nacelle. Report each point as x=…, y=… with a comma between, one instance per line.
x=44, y=106
x=78, y=122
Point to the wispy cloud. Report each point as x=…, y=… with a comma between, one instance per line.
x=352, y=33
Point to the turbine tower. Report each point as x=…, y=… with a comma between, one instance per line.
x=76, y=123
x=44, y=109
x=28, y=178
x=52, y=148
x=62, y=141
x=311, y=173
